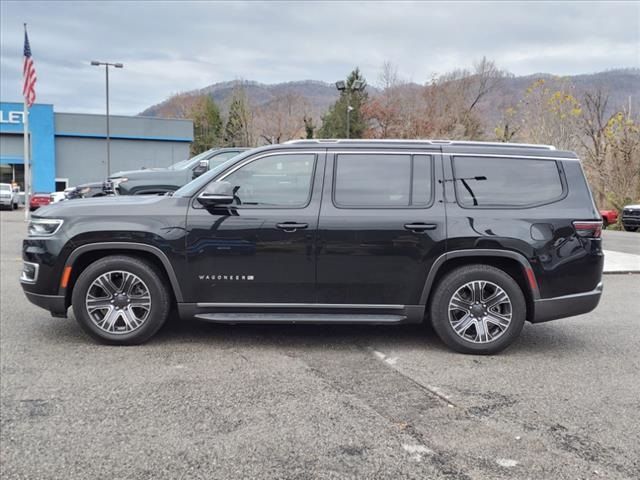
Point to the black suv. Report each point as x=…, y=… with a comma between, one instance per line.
x=474, y=237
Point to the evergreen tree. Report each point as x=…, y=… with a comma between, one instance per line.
x=236, y=131
x=207, y=125
x=309, y=126
x=334, y=123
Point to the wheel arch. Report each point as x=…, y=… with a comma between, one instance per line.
x=84, y=255
x=513, y=263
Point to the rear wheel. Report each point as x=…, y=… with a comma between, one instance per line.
x=605, y=222
x=120, y=300
x=478, y=309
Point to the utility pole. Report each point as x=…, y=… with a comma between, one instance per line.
x=356, y=86
x=106, y=72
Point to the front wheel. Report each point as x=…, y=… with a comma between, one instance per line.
x=121, y=300
x=631, y=229
x=478, y=309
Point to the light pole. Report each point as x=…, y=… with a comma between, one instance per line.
x=356, y=86
x=106, y=71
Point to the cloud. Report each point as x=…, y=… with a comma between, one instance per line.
x=168, y=47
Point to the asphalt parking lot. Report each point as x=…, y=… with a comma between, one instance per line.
x=297, y=402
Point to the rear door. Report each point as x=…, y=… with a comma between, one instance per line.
x=381, y=227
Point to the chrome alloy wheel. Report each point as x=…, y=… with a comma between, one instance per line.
x=118, y=302
x=480, y=311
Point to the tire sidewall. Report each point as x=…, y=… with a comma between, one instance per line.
x=148, y=274
x=457, y=278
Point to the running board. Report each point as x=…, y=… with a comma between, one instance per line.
x=301, y=318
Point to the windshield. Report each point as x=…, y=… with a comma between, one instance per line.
x=196, y=184
x=187, y=161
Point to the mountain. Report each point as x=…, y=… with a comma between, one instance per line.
x=623, y=85
x=319, y=95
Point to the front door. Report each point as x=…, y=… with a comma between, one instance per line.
x=382, y=225
x=261, y=248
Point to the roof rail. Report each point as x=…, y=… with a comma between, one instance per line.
x=429, y=142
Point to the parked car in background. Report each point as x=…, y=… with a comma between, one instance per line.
x=38, y=200
x=631, y=217
x=90, y=190
x=8, y=196
x=476, y=238
x=609, y=217
x=152, y=181
x=59, y=196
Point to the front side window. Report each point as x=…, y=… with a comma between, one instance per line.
x=382, y=180
x=219, y=159
x=506, y=182
x=274, y=181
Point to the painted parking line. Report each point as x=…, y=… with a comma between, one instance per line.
x=619, y=262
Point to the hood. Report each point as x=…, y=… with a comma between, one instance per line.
x=129, y=173
x=635, y=206
x=96, y=206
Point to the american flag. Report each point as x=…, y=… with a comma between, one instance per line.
x=29, y=73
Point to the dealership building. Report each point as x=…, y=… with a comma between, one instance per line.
x=69, y=149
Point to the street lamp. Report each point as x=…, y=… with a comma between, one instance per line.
x=106, y=71
x=356, y=86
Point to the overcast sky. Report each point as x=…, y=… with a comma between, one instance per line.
x=168, y=47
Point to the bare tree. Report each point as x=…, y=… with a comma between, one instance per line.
x=593, y=139
x=282, y=119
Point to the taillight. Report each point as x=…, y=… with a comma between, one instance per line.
x=588, y=229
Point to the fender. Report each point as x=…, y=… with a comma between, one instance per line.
x=159, y=254
x=480, y=252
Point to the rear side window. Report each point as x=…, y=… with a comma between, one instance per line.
x=383, y=180
x=506, y=182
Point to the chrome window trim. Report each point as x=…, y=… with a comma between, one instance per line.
x=528, y=157
x=411, y=154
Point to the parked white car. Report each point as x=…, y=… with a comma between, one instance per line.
x=57, y=196
x=8, y=196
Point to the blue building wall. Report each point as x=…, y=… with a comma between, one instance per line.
x=72, y=146
x=43, y=151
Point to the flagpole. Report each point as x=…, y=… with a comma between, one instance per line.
x=27, y=156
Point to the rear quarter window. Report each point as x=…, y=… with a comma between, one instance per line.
x=506, y=182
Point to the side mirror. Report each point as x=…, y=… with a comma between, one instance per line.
x=216, y=193
x=201, y=168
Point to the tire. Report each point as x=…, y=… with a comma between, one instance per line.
x=121, y=315
x=630, y=229
x=14, y=206
x=457, y=282
x=605, y=223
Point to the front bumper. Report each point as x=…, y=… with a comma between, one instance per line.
x=546, y=309
x=631, y=221
x=54, y=303
x=6, y=202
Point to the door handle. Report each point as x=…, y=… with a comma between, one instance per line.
x=420, y=227
x=291, y=226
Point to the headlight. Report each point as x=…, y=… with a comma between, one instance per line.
x=44, y=227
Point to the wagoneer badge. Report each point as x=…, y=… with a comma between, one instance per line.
x=234, y=278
